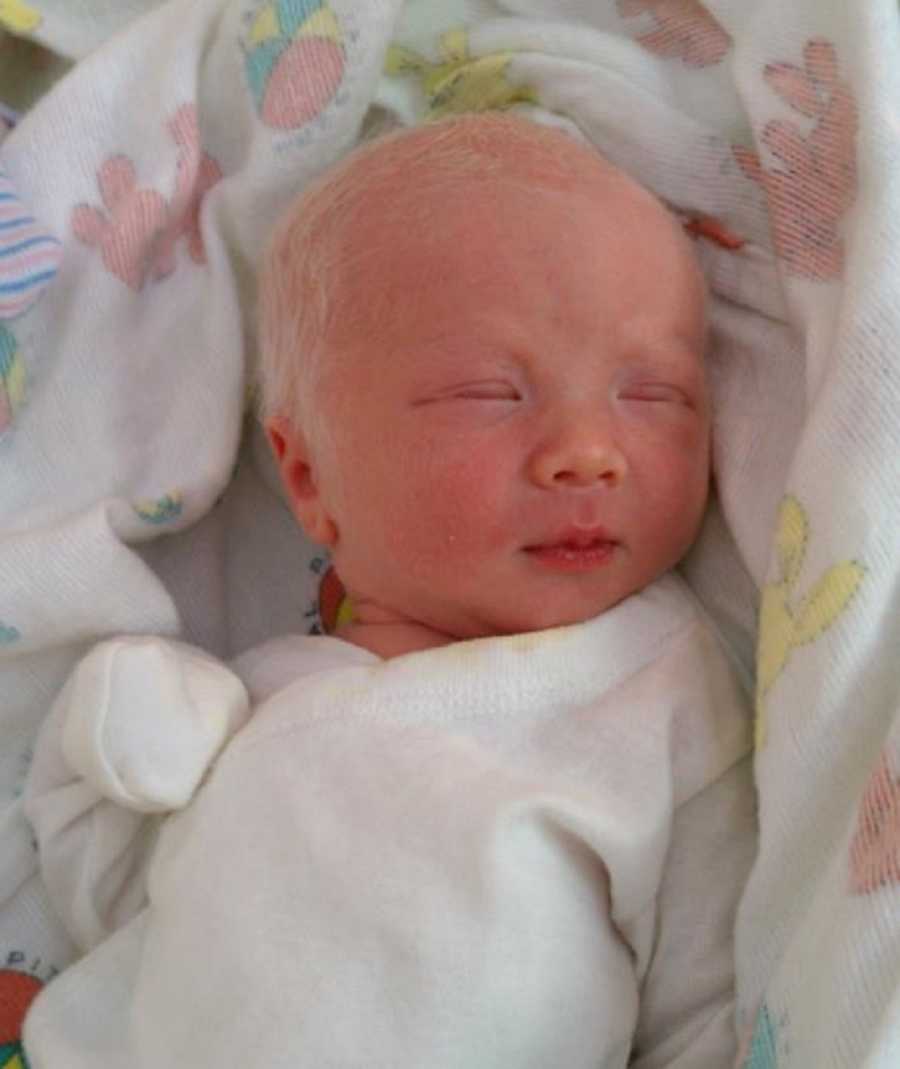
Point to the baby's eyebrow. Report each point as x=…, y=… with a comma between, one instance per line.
x=666, y=345
x=454, y=347
x=488, y=332
x=440, y=343
x=680, y=361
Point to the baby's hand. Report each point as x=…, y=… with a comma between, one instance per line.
x=144, y=718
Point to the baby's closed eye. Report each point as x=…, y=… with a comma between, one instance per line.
x=481, y=390
x=658, y=392
x=491, y=390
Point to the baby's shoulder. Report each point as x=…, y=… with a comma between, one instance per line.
x=275, y=664
x=670, y=606
x=650, y=620
x=667, y=631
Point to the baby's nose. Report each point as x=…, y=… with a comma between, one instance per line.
x=579, y=459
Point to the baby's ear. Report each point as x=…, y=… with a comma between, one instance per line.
x=277, y=440
x=295, y=465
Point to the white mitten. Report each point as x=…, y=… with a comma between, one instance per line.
x=144, y=718
x=128, y=739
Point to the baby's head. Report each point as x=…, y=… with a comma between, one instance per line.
x=483, y=378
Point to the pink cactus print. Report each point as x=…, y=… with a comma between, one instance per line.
x=196, y=173
x=126, y=228
x=875, y=848
x=816, y=184
x=683, y=29
x=138, y=230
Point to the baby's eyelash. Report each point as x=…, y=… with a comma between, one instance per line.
x=484, y=390
x=661, y=392
x=487, y=391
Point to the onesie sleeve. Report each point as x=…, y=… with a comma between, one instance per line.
x=128, y=739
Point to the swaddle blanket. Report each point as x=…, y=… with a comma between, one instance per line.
x=159, y=165
x=476, y=855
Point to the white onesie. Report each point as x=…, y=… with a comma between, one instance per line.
x=510, y=853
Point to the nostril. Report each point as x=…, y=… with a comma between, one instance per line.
x=576, y=465
x=569, y=477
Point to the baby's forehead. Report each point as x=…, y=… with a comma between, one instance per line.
x=435, y=178
x=436, y=204
x=429, y=213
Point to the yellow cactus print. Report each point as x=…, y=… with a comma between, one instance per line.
x=460, y=82
x=788, y=619
x=18, y=16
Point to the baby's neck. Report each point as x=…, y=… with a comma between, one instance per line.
x=391, y=638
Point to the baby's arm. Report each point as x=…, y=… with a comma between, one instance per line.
x=349, y=892
x=128, y=739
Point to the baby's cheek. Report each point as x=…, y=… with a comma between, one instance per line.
x=682, y=446
x=461, y=502
x=681, y=490
x=671, y=460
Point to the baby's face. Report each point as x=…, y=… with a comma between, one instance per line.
x=519, y=424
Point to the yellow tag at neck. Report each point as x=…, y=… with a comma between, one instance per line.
x=344, y=613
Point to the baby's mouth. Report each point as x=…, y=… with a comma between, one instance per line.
x=575, y=551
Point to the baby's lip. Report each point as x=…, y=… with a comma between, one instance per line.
x=576, y=537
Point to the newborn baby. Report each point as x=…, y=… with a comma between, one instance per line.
x=502, y=817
